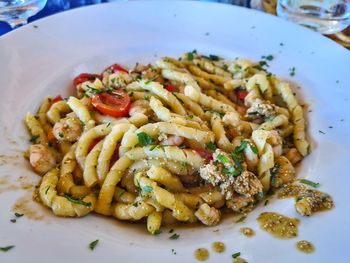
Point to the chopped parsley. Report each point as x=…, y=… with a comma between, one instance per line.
x=321, y=132
x=310, y=183
x=92, y=90
x=292, y=71
x=148, y=189
x=211, y=146
x=136, y=204
x=237, y=163
x=174, y=236
x=144, y=139
x=241, y=147
x=268, y=57
x=157, y=232
x=236, y=255
x=77, y=201
x=34, y=138
x=190, y=55
x=5, y=249
x=173, y=251
x=223, y=159
x=93, y=244
x=253, y=148
x=18, y=215
x=47, y=189
x=171, y=230
x=260, y=195
x=61, y=135
x=266, y=202
x=13, y=220
x=241, y=219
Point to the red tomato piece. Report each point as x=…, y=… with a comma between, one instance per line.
x=85, y=77
x=242, y=94
x=116, y=104
x=170, y=88
x=116, y=68
x=57, y=98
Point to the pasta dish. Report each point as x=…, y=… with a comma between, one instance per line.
x=183, y=140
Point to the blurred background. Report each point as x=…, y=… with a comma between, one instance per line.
x=329, y=17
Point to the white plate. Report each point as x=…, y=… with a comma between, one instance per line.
x=42, y=60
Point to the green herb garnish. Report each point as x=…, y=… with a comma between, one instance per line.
x=34, y=138
x=19, y=215
x=321, y=132
x=190, y=55
x=211, y=146
x=236, y=255
x=266, y=202
x=47, y=189
x=222, y=158
x=77, y=201
x=310, y=183
x=13, y=220
x=5, y=249
x=136, y=204
x=292, y=71
x=268, y=57
x=93, y=244
x=253, y=148
x=241, y=147
x=260, y=195
x=157, y=232
x=241, y=219
x=174, y=236
x=144, y=139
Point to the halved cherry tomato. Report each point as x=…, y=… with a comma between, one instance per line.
x=241, y=94
x=116, y=68
x=170, y=88
x=84, y=77
x=205, y=154
x=116, y=104
x=57, y=98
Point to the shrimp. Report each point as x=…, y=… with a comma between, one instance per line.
x=68, y=129
x=41, y=158
x=209, y=216
x=293, y=156
x=139, y=106
x=173, y=140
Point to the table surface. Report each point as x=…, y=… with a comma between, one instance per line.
x=56, y=6
x=53, y=7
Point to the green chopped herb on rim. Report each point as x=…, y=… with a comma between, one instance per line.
x=5, y=249
x=236, y=255
x=93, y=244
x=310, y=183
x=174, y=236
x=77, y=201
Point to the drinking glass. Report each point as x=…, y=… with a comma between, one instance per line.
x=326, y=17
x=16, y=12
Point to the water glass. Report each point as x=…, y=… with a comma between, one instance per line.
x=16, y=12
x=326, y=17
